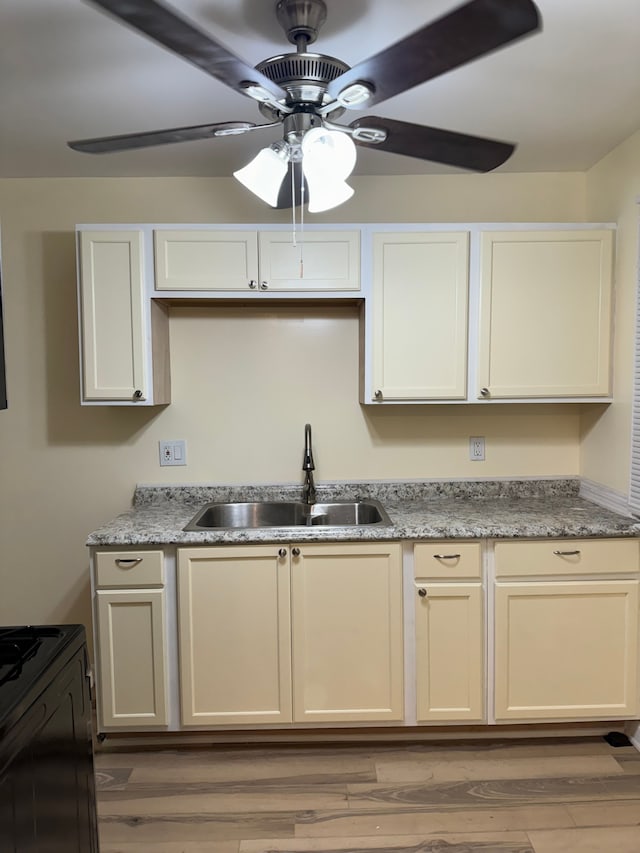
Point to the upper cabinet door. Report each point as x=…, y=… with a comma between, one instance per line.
x=420, y=306
x=318, y=260
x=206, y=259
x=545, y=314
x=112, y=316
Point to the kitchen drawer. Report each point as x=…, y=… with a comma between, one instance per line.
x=129, y=569
x=567, y=557
x=449, y=560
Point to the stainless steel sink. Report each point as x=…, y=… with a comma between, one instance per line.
x=238, y=515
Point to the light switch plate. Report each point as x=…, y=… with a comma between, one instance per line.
x=173, y=452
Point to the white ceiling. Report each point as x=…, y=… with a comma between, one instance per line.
x=567, y=95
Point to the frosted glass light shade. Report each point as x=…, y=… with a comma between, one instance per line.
x=264, y=174
x=328, y=157
x=323, y=194
x=329, y=152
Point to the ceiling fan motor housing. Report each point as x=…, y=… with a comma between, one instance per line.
x=305, y=78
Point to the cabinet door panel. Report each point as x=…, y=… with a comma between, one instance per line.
x=132, y=653
x=234, y=631
x=205, y=259
x=420, y=296
x=566, y=649
x=112, y=334
x=449, y=652
x=347, y=633
x=319, y=260
x=545, y=313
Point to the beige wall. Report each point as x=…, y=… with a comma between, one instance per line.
x=613, y=189
x=244, y=383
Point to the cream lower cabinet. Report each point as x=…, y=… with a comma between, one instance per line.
x=123, y=336
x=450, y=646
x=129, y=611
x=545, y=314
x=279, y=634
x=566, y=630
x=419, y=316
x=210, y=259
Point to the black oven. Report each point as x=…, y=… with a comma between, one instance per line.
x=47, y=785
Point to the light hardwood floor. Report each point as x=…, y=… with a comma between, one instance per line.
x=516, y=796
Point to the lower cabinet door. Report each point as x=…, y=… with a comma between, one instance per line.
x=566, y=649
x=449, y=652
x=132, y=652
x=347, y=632
x=234, y=635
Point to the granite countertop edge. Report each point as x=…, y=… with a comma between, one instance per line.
x=511, y=509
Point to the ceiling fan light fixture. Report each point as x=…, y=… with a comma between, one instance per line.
x=264, y=175
x=325, y=195
x=328, y=157
x=355, y=94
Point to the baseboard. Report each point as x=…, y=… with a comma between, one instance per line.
x=604, y=496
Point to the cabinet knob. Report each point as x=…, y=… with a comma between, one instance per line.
x=253, y=284
x=484, y=392
x=137, y=395
x=422, y=592
x=282, y=552
x=295, y=552
x=378, y=394
x=264, y=285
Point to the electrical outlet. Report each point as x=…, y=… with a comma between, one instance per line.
x=476, y=448
x=173, y=452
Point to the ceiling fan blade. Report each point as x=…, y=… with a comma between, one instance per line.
x=128, y=141
x=439, y=146
x=160, y=23
x=470, y=31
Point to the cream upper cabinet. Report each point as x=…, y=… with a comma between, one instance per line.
x=419, y=316
x=566, y=630
x=347, y=632
x=123, y=337
x=234, y=635
x=227, y=260
x=545, y=314
x=274, y=634
x=449, y=626
x=131, y=651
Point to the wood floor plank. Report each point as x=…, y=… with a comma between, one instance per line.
x=417, y=821
x=331, y=768
x=610, y=813
x=196, y=828
x=481, y=842
x=170, y=847
x=196, y=798
x=456, y=769
x=621, y=839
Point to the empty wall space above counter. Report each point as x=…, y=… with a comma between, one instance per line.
x=463, y=313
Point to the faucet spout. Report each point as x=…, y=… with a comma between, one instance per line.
x=308, y=466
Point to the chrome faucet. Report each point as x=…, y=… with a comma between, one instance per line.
x=309, y=488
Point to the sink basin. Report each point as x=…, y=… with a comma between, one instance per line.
x=257, y=514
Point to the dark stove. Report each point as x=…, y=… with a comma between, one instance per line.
x=47, y=786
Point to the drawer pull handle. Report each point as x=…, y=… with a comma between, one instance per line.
x=129, y=563
x=566, y=553
x=446, y=556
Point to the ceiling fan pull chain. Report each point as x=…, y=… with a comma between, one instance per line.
x=293, y=206
x=301, y=223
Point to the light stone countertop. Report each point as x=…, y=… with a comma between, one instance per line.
x=427, y=510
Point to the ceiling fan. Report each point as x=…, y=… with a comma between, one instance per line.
x=306, y=92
